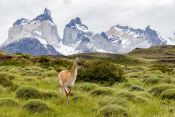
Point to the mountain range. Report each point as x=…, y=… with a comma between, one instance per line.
x=39, y=36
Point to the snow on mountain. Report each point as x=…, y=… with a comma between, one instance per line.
x=78, y=36
x=106, y=43
x=85, y=45
x=135, y=38
x=39, y=36
x=74, y=32
x=41, y=28
x=171, y=39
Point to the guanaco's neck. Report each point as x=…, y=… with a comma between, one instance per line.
x=74, y=69
x=73, y=73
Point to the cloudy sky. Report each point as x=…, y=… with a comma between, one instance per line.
x=98, y=15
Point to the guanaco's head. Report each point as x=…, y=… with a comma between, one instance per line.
x=80, y=62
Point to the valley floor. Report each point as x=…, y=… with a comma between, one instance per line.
x=33, y=91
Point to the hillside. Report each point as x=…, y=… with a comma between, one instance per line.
x=164, y=53
x=138, y=84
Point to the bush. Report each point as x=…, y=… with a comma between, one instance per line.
x=113, y=111
x=101, y=72
x=14, y=87
x=50, y=94
x=26, y=92
x=36, y=105
x=163, y=68
x=168, y=94
x=79, y=98
x=157, y=90
x=144, y=94
x=136, y=88
x=8, y=102
x=151, y=80
x=102, y=91
x=87, y=86
x=131, y=97
x=112, y=100
x=5, y=80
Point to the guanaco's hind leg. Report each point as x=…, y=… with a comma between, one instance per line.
x=67, y=95
x=67, y=92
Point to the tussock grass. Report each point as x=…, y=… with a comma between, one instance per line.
x=50, y=94
x=168, y=94
x=36, y=105
x=26, y=92
x=79, y=97
x=5, y=80
x=102, y=91
x=108, y=100
x=151, y=81
x=113, y=111
x=157, y=90
x=131, y=97
x=8, y=102
x=86, y=86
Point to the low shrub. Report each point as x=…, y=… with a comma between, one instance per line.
x=50, y=94
x=5, y=80
x=163, y=68
x=14, y=87
x=112, y=100
x=168, y=94
x=136, y=88
x=101, y=72
x=76, y=98
x=113, y=111
x=87, y=86
x=36, y=105
x=27, y=92
x=157, y=90
x=144, y=94
x=8, y=102
x=169, y=80
x=131, y=97
x=102, y=91
x=151, y=80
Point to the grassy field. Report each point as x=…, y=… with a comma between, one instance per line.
x=29, y=86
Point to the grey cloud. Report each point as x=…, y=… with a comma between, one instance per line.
x=99, y=15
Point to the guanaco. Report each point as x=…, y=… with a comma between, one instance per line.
x=67, y=78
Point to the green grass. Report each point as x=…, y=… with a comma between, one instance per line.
x=145, y=92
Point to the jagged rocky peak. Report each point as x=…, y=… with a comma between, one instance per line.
x=21, y=21
x=147, y=33
x=41, y=30
x=104, y=35
x=44, y=16
x=127, y=28
x=75, y=31
x=121, y=27
x=76, y=24
x=150, y=31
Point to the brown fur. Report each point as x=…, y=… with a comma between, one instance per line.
x=67, y=78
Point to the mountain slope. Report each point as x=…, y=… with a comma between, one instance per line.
x=135, y=38
x=41, y=28
x=29, y=45
x=77, y=37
